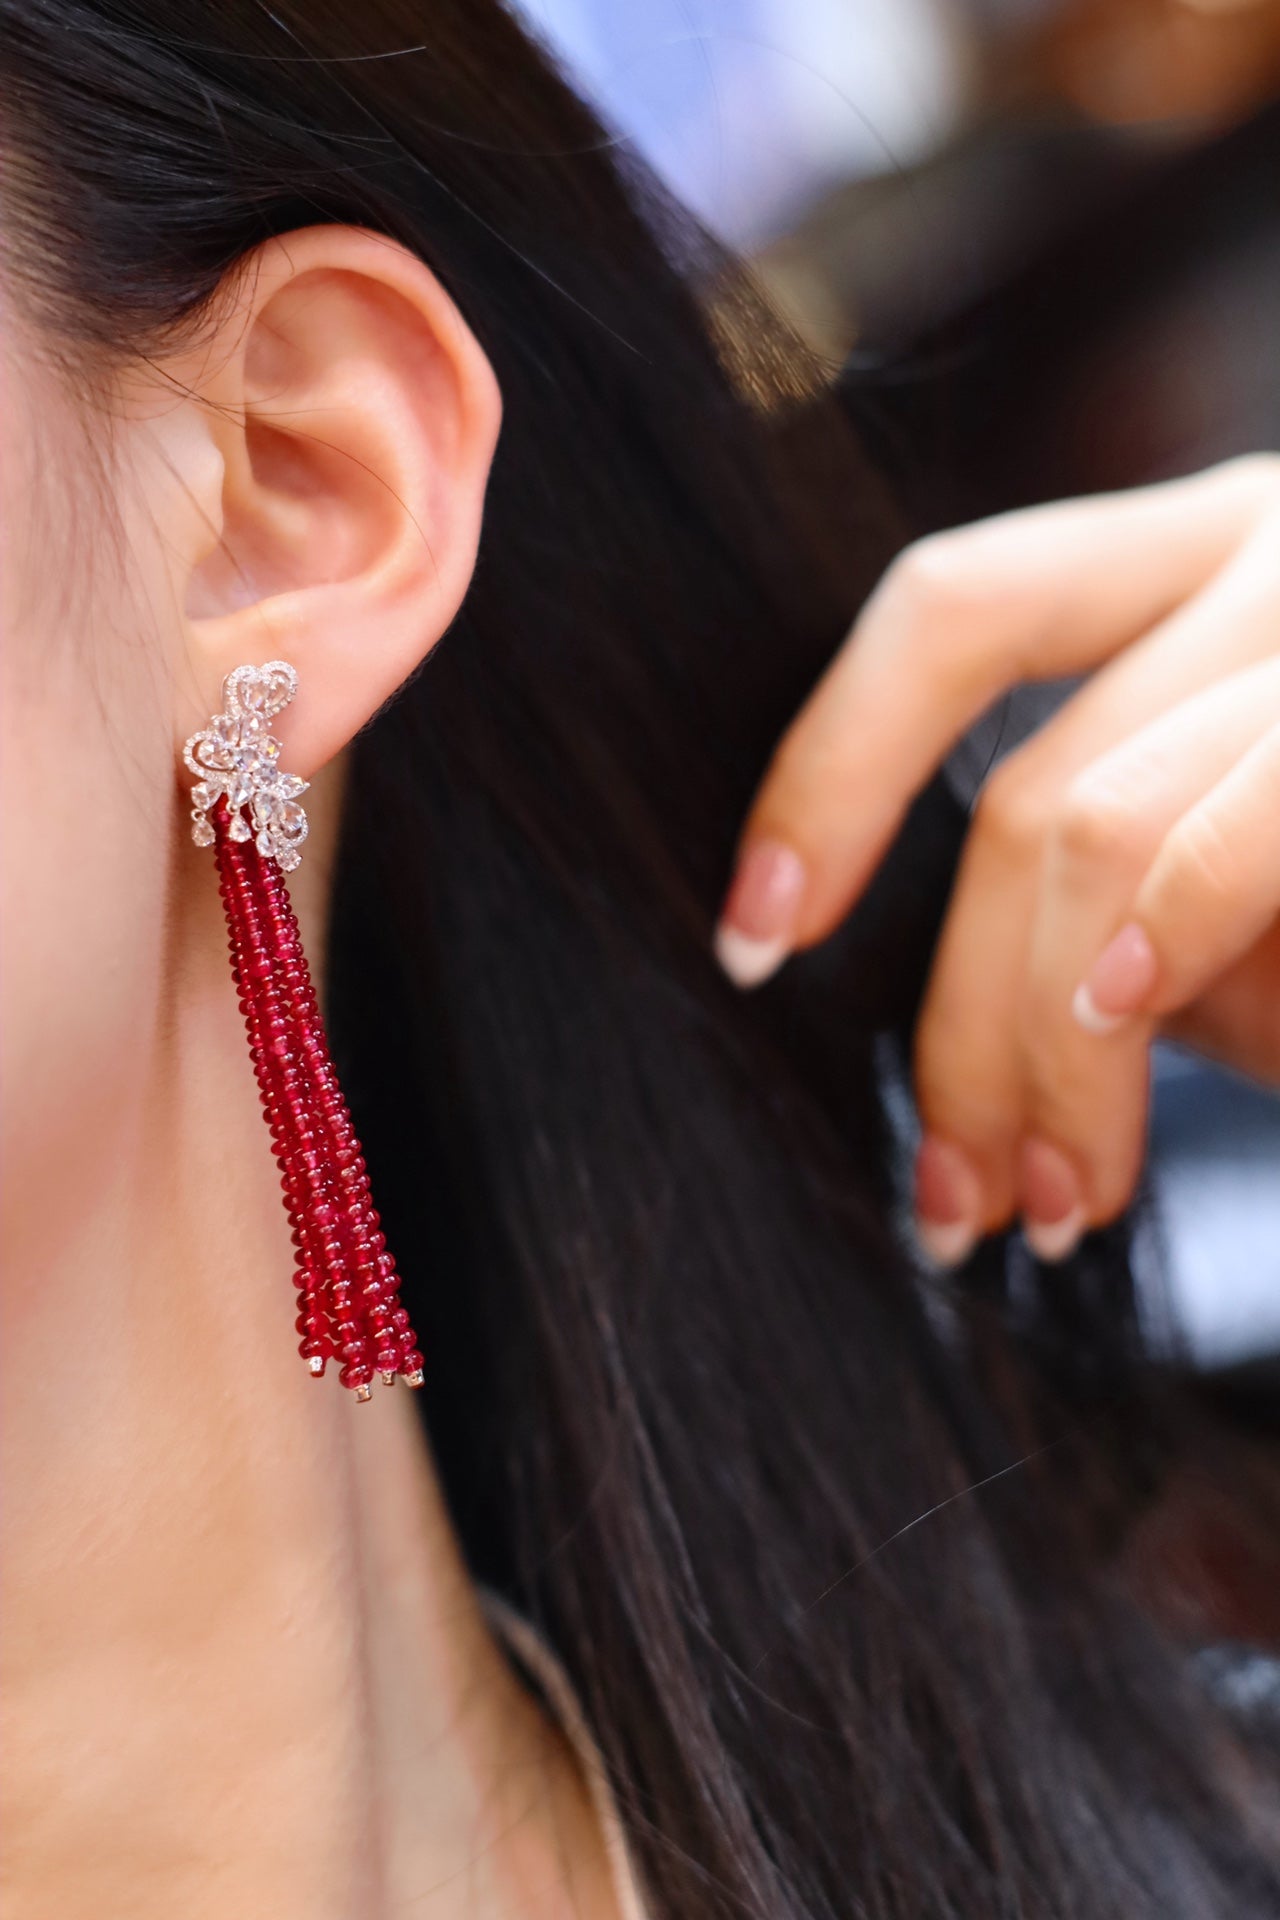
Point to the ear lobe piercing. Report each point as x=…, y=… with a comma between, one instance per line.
x=246, y=808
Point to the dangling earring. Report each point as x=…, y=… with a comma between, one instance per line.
x=246, y=808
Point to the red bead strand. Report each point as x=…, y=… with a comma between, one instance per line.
x=283, y=1101
x=396, y=1349
x=306, y=1170
x=347, y=1306
x=312, y=1169
x=348, y=1287
x=357, y=1310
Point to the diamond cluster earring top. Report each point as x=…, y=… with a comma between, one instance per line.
x=247, y=810
x=237, y=756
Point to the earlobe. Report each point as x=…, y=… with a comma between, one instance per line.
x=355, y=416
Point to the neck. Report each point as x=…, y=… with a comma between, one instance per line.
x=245, y=1668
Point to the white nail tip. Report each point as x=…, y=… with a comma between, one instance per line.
x=748, y=962
x=1090, y=1016
x=945, y=1243
x=1052, y=1240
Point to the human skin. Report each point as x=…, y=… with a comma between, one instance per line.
x=244, y=1668
x=1121, y=876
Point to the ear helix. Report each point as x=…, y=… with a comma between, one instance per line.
x=246, y=807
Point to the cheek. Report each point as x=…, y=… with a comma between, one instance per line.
x=86, y=813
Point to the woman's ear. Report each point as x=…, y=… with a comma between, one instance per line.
x=336, y=434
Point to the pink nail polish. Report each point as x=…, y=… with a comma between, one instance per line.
x=1053, y=1213
x=757, y=924
x=948, y=1202
x=1120, y=979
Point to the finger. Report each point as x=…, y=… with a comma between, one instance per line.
x=967, y=1074
x=1237, y=1019
x=960, y=617
x=1085, y=1094
x=981, y=1059
x=1210, y=895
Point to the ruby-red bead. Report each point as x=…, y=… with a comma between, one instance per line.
x=345, y=1281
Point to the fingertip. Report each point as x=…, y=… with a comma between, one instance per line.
x=1052, y=1201
x=948, y=1202
x=1088, y=1014
x=757, y=926
x=1119, y=982
x=1053, y=1241
x=945, y=1246
x=748, y=962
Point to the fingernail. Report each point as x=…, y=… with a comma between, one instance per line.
x=1119, y=981
x=757, y=923
x=1053, y=1215
x=948, y=1203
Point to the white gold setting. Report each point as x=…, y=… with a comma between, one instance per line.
x=237, y=756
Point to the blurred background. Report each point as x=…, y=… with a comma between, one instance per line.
x=1045, y=235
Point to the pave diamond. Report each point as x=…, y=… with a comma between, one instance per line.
x=236, y=757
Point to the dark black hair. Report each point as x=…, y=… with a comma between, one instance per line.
x=840, y=1559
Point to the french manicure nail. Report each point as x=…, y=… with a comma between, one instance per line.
x=1053, y=1214
x=948, y=1201
x=757, y=925
x=1052, y=1241
x=1118, y=982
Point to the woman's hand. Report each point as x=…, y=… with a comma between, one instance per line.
x=1122, y=875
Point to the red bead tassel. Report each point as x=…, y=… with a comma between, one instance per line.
x=348, y=1288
